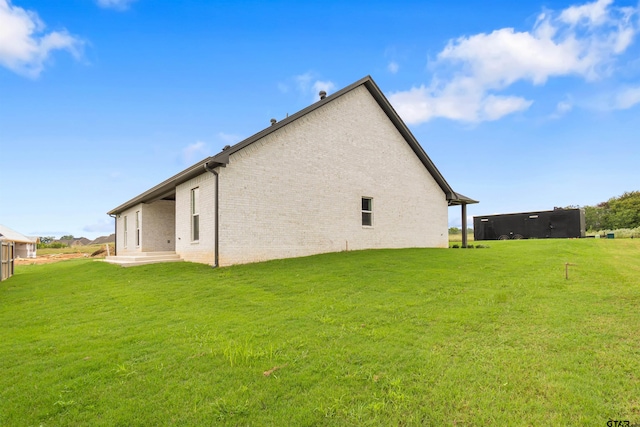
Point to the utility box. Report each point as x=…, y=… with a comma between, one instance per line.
x=558, y=223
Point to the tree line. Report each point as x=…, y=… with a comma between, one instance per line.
x=616, y=213
x=50, y=242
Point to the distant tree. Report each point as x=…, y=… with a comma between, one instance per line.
x=595, y=217
x=47, y=239
x=617, y=212
x=624, y=211
x=454, y=230
x=68, y=237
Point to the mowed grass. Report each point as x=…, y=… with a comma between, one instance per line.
x=493, y=336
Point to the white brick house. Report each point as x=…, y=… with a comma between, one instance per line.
x=343, y=174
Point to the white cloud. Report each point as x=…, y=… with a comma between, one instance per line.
x=194, y=152
x=393, y=67
x=562, y=108
x=495, y=107
x=627, y=98
x=24, y=48
x=595, y=13
x=309, y=85
x=326, y=86
x=456, y=102
x=622, y=98
x=115, y=4
x=582, y=41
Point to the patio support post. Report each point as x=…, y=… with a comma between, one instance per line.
x=464, y=225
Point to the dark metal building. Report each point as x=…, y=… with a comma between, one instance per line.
x=558, y=223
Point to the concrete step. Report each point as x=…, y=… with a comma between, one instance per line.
x=148, y=253
x=143, y=258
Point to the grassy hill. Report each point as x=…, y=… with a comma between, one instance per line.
x=493, y=336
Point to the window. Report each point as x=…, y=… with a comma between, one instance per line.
x=125, y=231
x=195, y=214
x=137, y=228
x=367, y=211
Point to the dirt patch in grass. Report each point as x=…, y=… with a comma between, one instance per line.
x=51, y=255
x=47, y=259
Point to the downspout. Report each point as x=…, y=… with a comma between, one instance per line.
x=217, y=230
x=115, y=243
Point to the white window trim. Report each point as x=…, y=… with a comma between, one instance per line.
x=138, y=236
x=125, y=231
x=195, y=212
x=370, y=212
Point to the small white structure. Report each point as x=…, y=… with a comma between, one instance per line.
x=24, y=247
x=344, y=173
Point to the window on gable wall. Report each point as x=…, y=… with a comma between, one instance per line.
x=367, y=211
x=195, y=214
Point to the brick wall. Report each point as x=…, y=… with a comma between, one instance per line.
x=158, y=231
x=157, y=228
x=129, y=246
x=203, y=249
x=298, y=191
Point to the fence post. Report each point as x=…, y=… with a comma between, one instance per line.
x=6, y=260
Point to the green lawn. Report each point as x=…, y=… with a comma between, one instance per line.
x=493, y=336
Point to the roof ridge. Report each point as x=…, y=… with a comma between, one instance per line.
x=221, y=159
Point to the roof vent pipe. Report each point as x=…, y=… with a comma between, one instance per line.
x=273, y=122
x=322, y=94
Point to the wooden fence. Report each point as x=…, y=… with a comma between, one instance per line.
x=6, y=260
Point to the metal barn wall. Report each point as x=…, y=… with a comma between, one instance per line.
x=558, y=223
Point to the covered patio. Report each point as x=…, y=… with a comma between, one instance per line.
x=463, y=201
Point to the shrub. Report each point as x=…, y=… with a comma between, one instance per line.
x=620, y=233
x=54, y=245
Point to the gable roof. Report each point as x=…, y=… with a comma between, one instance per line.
x=13, y=236
x=167, y=187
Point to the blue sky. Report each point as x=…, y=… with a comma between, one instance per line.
x=522, y=105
